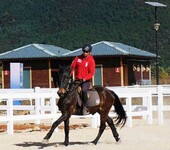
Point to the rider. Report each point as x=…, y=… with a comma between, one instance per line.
x=84, y=68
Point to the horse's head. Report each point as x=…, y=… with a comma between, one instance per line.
x=64, y=81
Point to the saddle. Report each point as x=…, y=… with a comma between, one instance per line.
x=93, y=97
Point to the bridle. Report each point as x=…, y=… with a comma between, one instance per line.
x=65, y=89
x=66, y=83
x=64, y=86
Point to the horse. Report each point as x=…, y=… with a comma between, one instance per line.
x=68, y=105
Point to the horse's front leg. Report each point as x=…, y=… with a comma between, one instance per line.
x=54, y=125
x=66, y=129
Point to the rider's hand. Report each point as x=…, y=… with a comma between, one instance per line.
x=82, y=81
x=78, y=81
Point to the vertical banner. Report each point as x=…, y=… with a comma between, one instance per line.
x=16, y=78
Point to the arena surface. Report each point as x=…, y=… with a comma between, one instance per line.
x=140, y=137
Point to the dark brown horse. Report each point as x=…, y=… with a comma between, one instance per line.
x=68, y=105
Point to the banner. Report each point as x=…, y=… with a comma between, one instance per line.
x=16, y=78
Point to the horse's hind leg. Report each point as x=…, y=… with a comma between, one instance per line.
x=101, y=129
x=66, y=129
x=114, y=131
x=54, y=125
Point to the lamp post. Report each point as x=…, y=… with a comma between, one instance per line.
x=156, y=27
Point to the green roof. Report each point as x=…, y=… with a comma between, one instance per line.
x=100, y=49
x=105, y=48
x=34, y=51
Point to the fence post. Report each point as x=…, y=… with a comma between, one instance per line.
x=95, y=120
x=129, y=111
x=144, y=104
x=149, y=108
x=53, y=106
x=37, y=104
x=42, y=103
x=160, y=105
x=10, y=123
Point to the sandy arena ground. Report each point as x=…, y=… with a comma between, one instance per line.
x=140, y=137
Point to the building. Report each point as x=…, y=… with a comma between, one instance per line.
x=117, y=64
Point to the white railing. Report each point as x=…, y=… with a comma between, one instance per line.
x=157, y=94
x=146, y=95
x=45, y=100
x=143, y=109
x=39, y=108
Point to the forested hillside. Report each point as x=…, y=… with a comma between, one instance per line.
x=71, y=23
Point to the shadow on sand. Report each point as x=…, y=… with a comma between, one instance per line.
x=40, y=145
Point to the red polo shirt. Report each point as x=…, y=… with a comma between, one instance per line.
x=84, y=67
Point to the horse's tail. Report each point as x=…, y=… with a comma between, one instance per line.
x=122, y=117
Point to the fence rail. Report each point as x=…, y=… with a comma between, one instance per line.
x=45, y=99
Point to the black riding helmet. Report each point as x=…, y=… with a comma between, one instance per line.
x=87, y=48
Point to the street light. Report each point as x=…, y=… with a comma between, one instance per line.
x=156, y=27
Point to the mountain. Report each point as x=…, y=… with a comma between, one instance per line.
x=72, y=23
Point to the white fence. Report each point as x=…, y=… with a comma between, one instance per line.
x=146, y=94
x=41, y=100
x=153, y=99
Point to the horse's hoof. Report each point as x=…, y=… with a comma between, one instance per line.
x=94, y=142
x=118, y=141
x=44, y=141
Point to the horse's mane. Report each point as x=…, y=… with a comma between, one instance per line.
x=71, y=93
x=70, y=97
x=64, y=70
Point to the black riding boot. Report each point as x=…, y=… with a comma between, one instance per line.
x=84, y=100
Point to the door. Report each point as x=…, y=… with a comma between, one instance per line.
x=27, y=78
x=98, y=76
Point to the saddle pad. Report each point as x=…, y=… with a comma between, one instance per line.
x=93, y=98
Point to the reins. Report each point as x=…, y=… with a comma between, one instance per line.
x=67, y=88
x=69, y=83
x=73, y=88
